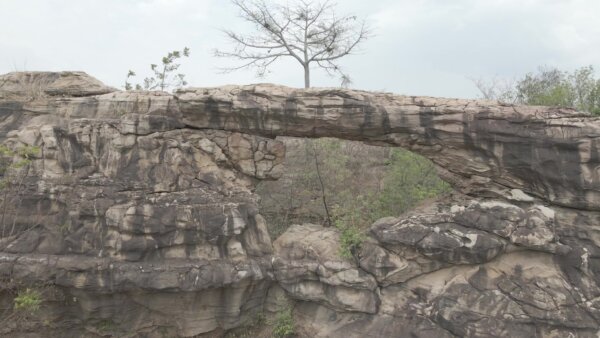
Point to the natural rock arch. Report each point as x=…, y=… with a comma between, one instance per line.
x=547, y=152
x=155, y=191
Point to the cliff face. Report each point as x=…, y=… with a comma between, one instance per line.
x=137, y=212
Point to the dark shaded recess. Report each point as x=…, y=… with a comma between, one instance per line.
x=163, y=239
x=78, y=229
x=71, y=155
x=544, y=166
x=594, y=163
x=209, y=179
x=319, y=111
x=252, y=118
x=480, y=279
x=570, y=265
x=191, y=238
x=540, y=162
x=30, y=211
x=426, y=122
x=290, y=113
x=465, y=322
x=100, y=145
x=127, y=170
x=172, y=109
x=249, y=119
x=260, y=118
x=162, y=218
x=566, y=173
x=455, y=325
x=211, y=107
x=8, y=110
x=212, y=220
x=255, y=293
x=477, y=139
x=210, y=228
x=369, y=125
x=444, y=247
x=385, y=122
x=163, y=122
x=84, y=107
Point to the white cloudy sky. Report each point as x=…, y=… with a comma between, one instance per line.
x=421, y=47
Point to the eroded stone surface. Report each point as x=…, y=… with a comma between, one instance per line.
x=449, y=285
x=124, y=203
x=484, y=148
x=308, y=266
x=138, y=213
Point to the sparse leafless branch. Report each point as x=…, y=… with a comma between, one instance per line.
x=307, y=31
x=502, y=90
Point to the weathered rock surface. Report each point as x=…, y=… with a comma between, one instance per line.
x=137, y=215
x=437, y=277
x=308, y=267
x=124, y=204
x=485, y=148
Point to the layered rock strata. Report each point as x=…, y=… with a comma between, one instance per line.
x=138, y=210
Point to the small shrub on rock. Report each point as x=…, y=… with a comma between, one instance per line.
x=28, y=301
x=284, y=324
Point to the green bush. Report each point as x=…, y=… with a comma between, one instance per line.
x=359, y=183
x=350, y=239
x=28, y=300
x=284, y=324
x=250, y=329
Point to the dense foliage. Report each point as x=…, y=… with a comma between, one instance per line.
x=579, y=89
x=361, y=184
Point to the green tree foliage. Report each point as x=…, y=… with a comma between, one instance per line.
x=165, y=75
x=351, y=237
x=409, y=180
x=579, y=89
x=360, y=185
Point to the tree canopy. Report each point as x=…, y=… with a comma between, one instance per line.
x=579, y=89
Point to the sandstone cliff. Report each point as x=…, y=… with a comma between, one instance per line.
x=138, y=215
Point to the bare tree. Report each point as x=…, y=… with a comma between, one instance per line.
x=309, y=32
x=502, y=90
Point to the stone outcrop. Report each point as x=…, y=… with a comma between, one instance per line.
x=154, y=224
x=484, y=148
x=137, y=214
x=308, y=267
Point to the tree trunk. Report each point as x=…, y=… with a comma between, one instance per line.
x=306, y=76
x=316, y=157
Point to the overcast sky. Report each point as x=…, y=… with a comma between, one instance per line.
x=421, y=47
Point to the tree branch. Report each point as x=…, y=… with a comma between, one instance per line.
x=307, y=32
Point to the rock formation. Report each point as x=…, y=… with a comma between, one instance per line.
x=138, y=214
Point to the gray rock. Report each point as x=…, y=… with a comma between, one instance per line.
x=138, y=215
